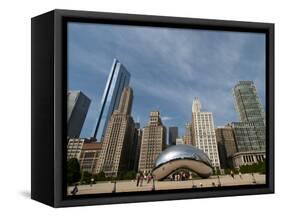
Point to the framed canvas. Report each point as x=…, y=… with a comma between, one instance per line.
x=134, y=108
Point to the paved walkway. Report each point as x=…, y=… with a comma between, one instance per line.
x=130, y=186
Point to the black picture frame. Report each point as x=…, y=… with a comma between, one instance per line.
x=48, y=108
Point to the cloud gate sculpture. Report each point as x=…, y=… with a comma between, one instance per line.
x=182, y=157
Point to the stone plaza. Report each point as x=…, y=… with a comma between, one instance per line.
x=130, y=185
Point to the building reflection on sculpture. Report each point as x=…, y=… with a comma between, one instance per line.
x=182, y=157
x=119, y=144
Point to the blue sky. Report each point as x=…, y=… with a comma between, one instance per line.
x=168, y=67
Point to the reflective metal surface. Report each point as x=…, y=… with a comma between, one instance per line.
x=182, y=156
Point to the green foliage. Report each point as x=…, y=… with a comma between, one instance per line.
x=86, y=177
x=122, y=175
x=73, y=171
x=254, y=168
x=227, y=171
x=126, y=175
x=100, y=177
x=216, y=171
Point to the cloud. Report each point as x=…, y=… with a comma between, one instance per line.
x=166, y=118
x=168, y=67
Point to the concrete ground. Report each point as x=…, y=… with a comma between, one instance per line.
x=130, y=185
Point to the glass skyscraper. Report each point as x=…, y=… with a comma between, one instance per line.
x=77, y=109
x=118, y=79
x=173, y=135
x=251, y=113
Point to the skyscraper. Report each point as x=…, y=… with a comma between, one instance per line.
x=117, y=80
x=135, y=148
x=226, y=145
x=173, y=135
x=249, y=133
x=153, y=142
x=188, y=134
x=247, y=102
x=77, y=109
x=203, y=132
x=249, y=108
x=118, y=138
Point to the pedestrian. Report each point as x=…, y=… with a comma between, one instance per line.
x=232, y=174
x=240, y=174
x=75, y=190
x=190, y=175
x=183, y=176
x=254, y=180
x=149, y=176
x=92, y=181
x=144, y=175
x=141, y=178
x=138, y=179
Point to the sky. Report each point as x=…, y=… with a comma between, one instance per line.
x=168, y=67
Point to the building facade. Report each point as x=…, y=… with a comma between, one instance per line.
x=135, y=154
x=246, y=136
x=74, y=147
x=248, y=158
x=180, y=141
x=118, y=79
x=188, y=134
x=89, y=156
x=173, y=135
x=226, y=145
x=118, y=139
x=250, y=110
x=153, y=142
x=77, y=108
x=203, y=133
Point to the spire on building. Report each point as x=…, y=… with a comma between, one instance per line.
x=196, y=105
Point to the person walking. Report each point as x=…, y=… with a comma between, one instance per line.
x=92, y=182
x=240, y=175
x=232, y=174
x=149, y=176
x=138, y=179
x=75, y=190
x=141, y=178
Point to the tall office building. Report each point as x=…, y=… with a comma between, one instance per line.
x=118, y=138
x=153, y=142
x=226, y=145
x=77, y=108
x=134, y=151
x=117, y=80
x=249, y=133
x=247, y=102
x=203, y=133
x=173, y=135
x=188, y=134
x=246, y=137
x=249, y=108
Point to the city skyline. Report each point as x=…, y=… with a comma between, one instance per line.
x=183, y=77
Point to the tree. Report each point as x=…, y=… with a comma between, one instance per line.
x=73, y=171
x=127, y=175
x=100, y=176
x=86, y=177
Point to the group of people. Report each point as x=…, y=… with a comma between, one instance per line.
x=143, y=176
x=180, y=176
x=232, y=174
